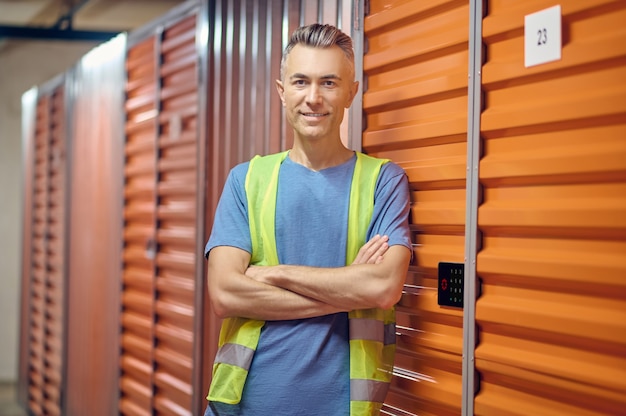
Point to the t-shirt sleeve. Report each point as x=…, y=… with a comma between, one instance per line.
x=230, y=225
x=391, y=206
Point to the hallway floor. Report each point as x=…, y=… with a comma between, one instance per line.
x=8, y=401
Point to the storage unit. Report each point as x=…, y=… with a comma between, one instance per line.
x=552, y=313
x=176, y=216
x=415, y=105
x=160, y=284
x=95, y=100
x=44, y=278
x=136, y=364
x=542, y=151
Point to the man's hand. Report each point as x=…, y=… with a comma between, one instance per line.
x=234, y=293
x=374, y=280
x=372, y=252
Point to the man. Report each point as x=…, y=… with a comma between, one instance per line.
x=308, y=305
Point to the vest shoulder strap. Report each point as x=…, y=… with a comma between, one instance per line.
x=362, y=193
x=261, y=189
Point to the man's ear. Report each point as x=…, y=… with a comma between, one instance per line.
x=354, y=88
x=281, y=90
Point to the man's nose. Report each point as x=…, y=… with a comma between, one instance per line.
x=313, y=95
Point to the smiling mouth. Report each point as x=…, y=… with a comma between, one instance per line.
x=314, y=114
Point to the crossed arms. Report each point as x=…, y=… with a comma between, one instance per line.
x=373, y=280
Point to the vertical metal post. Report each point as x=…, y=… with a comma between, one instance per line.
x=355, y=124
x=472, y=196
x=203, y=28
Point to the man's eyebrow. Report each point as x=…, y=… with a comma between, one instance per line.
x=303, y=76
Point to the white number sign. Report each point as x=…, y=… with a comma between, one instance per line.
x=542, y=36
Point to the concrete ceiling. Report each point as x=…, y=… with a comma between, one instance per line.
x=18, y=17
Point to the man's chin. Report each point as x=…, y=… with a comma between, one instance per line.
x=312, y=133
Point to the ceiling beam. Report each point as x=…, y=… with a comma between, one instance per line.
x=25, y=32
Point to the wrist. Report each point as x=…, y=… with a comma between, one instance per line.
x=277, y=275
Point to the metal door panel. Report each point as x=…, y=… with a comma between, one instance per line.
x=552, y=312
x=415, y=103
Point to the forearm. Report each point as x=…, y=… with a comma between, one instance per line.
x=358, y=286
x=233, y=294
x=245, y=297
x=350, y=287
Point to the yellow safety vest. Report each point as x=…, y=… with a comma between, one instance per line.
x=372, y=331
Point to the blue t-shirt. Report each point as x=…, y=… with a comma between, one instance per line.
x=301, y=366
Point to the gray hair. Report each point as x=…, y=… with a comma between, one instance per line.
x=318, y=35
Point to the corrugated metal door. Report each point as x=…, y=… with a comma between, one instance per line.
x=95, y=96
x=37, y=276
x=139, y=231
x=415, y=104
x=46, y=274
x=160, y=232
x=177, y=251
x=55, y=253
x=552, y=315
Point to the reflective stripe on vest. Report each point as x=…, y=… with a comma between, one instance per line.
x=372, y=331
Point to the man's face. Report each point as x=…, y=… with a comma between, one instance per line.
x=318, y=85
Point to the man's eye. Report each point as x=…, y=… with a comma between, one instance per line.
x=299, y=82
x=329, y=83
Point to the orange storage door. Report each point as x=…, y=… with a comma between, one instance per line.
x=37, y=278
x=415, y=104
x=55, y=286
x=552, y=314
x=176, y=214
x=159, y=294
x=44, y=275
x=139, y=231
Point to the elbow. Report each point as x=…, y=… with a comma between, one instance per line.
x=220, y=302
x=387, y=296
x=216, y=300
x=219, y=310
x=220, y=299
x=390, y=292
x=389, y=299
x=393, y=278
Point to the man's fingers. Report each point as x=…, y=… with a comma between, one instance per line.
x=372, y=251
